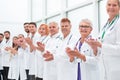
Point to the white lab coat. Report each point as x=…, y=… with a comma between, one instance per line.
x=50, y=71
x=39, y=58
x=66, y=70
x=111, y=52
x=1, y=46
x=89, y=68
x=6, y=56
x=32, y=56
x=26, y=57
x=17, y=65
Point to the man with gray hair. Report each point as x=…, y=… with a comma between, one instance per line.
x=50, y=72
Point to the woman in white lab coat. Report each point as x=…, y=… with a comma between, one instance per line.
x=43, y=31
x=110, y=42
x=17, y=64
x=12, y=51
x=86, y=58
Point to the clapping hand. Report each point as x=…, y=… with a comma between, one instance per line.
x=72, y=53
x=48, y=56
x=40, y=46
x=93, y=43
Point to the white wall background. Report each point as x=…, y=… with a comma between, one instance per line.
x=13, y=13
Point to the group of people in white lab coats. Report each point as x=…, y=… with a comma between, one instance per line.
x=47, y=54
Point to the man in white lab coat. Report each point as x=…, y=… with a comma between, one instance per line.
x=66, y=69
x=26, y=29
x=7, y=42
x=1, y=45
x=32, y=40
x=50, y=71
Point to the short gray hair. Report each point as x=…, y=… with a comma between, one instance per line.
x=87, y=21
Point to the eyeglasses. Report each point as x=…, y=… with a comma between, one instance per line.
x=84, y=26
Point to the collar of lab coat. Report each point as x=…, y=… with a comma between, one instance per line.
x=1, y=45
x=55, y=36
x=68, y=36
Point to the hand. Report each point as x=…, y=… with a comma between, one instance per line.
x=69, y=52
x=13, y=51
x=48, y=56
x=73, y=53
x=28, y=40
x=77, y=54
x=24, y=46
x=41, y=46
x=7, y=48
x=30, y=43
x=93, y=43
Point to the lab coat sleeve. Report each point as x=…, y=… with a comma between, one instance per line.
x=90, y=57
x=91, y=60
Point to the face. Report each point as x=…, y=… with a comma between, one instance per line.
x=112, y=8
x=53, y=28
x=1, y=38
x=32, y=28
x=7, y=35
x=65, y=28
x=20, y=39
x=15, y=40
x=42, y=30
x=26, y=28
x=84, y=29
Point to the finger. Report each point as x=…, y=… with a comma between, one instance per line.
x=48, y=52
x=49, y=58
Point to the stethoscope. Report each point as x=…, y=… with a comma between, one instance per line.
x=43, y=39
x=108, y=26
x=69, y=40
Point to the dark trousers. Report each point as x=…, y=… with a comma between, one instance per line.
x=39, y=78
x=0, y=75
x=32, y=77
x=4, y=73
x=27, y=73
